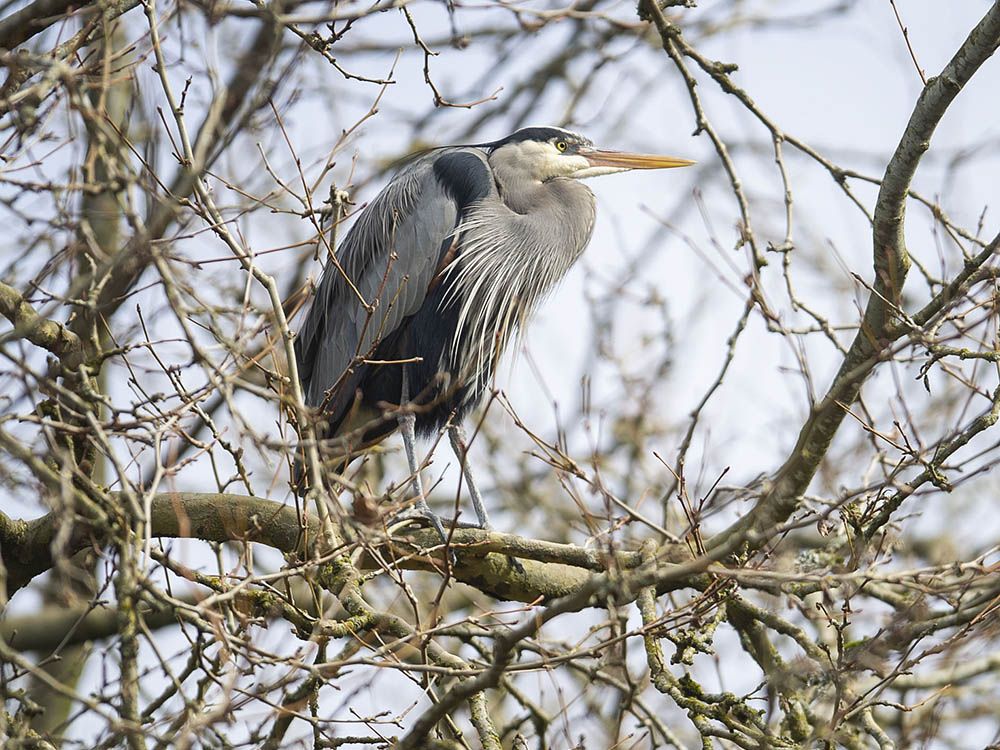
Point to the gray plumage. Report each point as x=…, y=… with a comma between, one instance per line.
x=440, y=272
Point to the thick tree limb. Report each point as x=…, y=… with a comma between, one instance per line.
x=550, y=570
x=32, y=19
x=53, y=626
x=216, y=517
x=48, y=334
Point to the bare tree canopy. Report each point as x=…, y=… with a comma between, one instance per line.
x=739, y=466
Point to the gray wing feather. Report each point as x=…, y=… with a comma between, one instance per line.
x=391, y=255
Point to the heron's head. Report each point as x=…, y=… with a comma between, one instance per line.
x=545, y=153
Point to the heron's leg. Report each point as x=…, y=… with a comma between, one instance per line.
x=407, y=423
x=459, y=444
x=461, y=447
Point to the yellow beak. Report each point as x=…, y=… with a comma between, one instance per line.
x=624, y=160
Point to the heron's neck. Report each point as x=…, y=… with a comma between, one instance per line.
x=559, y=212
x=514, y=251
x=555, y=218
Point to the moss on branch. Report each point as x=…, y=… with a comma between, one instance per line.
x=550, y=570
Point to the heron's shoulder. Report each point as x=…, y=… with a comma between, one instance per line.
x=464, y=174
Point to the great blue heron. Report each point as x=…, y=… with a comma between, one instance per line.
x=435, y=276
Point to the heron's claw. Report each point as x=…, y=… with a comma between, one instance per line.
x=485, y=525
x=516, y=565
x=423, y=513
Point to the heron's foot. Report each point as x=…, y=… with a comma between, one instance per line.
x=516, y=565
x=415, y=514
x=423, y=513
x=427, y=516
x=485, y=525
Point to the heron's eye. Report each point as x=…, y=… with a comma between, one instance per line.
x=561, y=145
